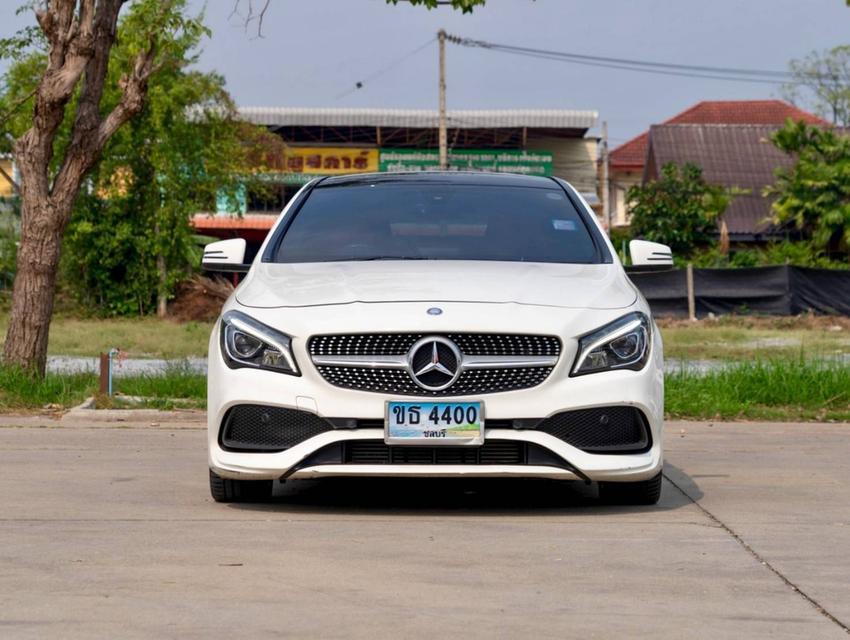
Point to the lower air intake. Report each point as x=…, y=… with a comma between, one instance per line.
x=254, y=427
x=600, y=430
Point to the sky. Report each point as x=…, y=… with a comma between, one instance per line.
x=314, y=51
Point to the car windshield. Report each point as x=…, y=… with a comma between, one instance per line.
x=437, y=221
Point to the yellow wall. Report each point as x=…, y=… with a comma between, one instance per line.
x=6, y=188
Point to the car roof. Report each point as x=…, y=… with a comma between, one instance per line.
x=479, y=178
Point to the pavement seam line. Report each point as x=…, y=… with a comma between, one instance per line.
x=764, y=562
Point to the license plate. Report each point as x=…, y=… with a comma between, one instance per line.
x=451, y=423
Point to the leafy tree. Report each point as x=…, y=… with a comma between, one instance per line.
x=814, y=195
x=129, y=240
x=679, y=209
x=74, y=115
x=823, y=79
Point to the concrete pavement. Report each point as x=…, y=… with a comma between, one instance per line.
x=110, y=533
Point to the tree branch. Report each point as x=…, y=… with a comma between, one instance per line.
x=91, y=132
x=254, y=15
x=134, y=87
x=70, y=45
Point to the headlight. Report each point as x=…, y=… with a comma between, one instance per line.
x=623, y=344
x=245, y=342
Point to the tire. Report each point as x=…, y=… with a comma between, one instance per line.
x=227, y=490
x=631, y=493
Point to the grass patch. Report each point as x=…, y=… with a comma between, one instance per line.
x=18, y=390
x=175, y=388
x=721, y=338
x=140, y=337
x=748, y=337
x=769, y=389
x=175, y=382
x=776, y=389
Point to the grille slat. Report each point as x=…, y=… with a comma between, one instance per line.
x=492, y=452
x=398, y=381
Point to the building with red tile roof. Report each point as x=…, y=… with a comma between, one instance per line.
x=627, y=162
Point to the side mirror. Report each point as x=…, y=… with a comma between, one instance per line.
x=650, y=256
x=225, y=255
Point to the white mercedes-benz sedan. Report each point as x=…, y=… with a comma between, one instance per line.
x=439, y=324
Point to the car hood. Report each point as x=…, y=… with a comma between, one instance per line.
x=589, y=286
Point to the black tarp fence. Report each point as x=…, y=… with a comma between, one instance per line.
x=781, y=290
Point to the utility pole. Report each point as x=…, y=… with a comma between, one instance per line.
x=444, y=150
x=606, y=187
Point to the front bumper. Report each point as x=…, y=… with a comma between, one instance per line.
x=309, y=392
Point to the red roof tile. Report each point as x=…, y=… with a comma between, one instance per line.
x=632, y=154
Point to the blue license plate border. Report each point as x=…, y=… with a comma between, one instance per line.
x=475, y=438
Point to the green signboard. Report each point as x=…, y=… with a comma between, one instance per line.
x=532, y=163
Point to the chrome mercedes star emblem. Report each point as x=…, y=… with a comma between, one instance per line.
x=434, y=363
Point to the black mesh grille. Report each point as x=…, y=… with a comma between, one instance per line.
x=473, y=381
x=398, y=381
x=253, y=427
x=601, y=430
x=479, y=344
x=492, y=452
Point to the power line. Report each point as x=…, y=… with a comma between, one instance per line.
x=762, y=76
x=377, y=74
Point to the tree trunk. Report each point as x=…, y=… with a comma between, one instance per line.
x=79, y=38
x=35, y=284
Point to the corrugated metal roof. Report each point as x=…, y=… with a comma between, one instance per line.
x=731, y=155
x=632, y=154
x=419, y=118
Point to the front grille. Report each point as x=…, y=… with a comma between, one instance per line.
x=478, y=344
x=377, y=452
x=600, y=430
x=253, y=427
x=491, y=452
x=398, y=381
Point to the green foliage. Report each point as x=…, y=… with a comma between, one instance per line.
x=464, y=5
x=20, y=390
x=176, y=386
x=814, y=195
x=16, y=98
x=24, y=41
x=679, y=209
x=798, y=253
x=822, y=79
x=620, y=237
x=8, y=243
x=168, y=163
x=177, y=381
x=778, y=389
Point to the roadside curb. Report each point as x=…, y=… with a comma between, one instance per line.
x=86, y=417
